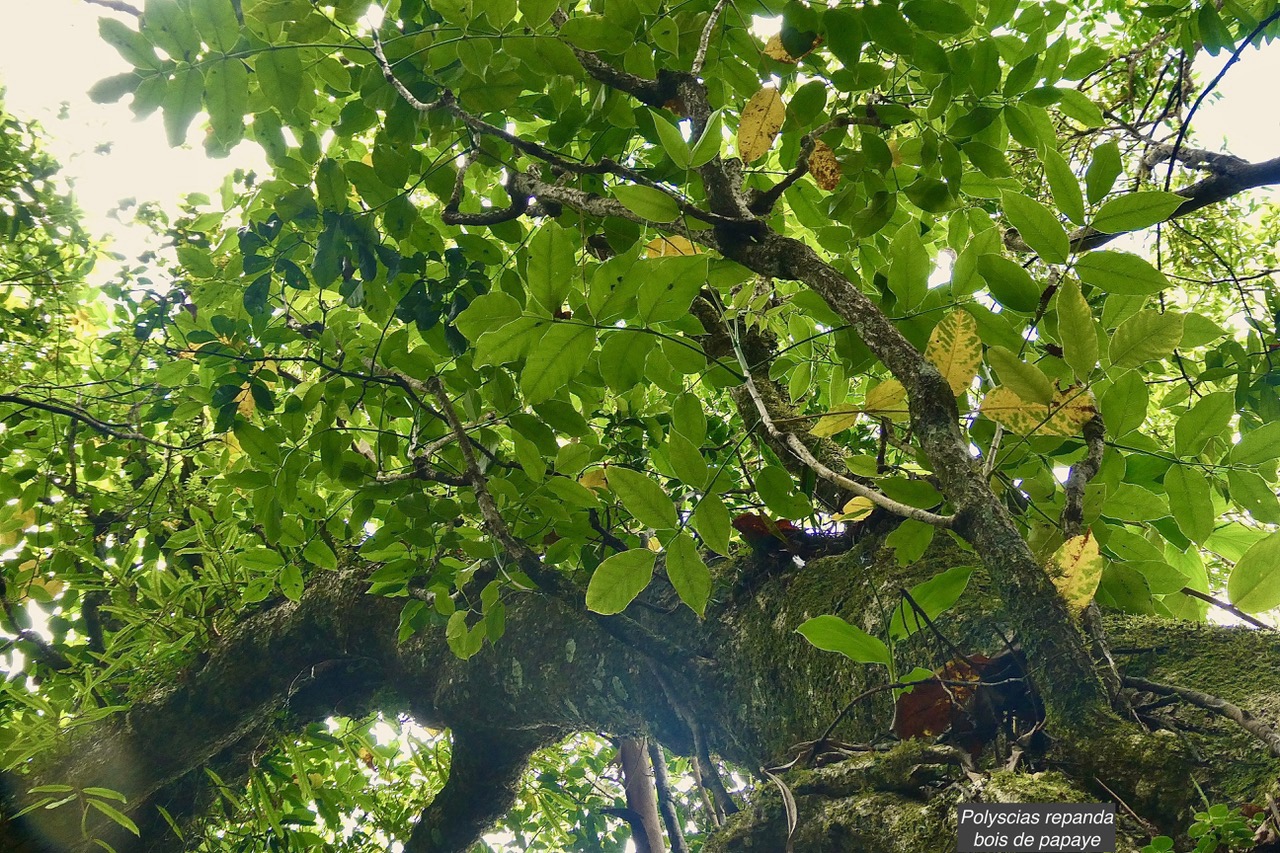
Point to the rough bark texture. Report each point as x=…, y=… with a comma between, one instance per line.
x=333, y=653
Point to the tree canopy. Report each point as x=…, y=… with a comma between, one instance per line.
x=673, y=381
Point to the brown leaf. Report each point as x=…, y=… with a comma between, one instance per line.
x=932, y=707
x=824, y=166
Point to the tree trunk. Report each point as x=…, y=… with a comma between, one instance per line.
x=556, y=672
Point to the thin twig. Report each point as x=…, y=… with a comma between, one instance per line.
x=700, y=58
x=117, y=6
x=1229, y=608
x=103, y=427
x=797, y=447
x=1218, y=706
x=666, y=806
x=1235, y=57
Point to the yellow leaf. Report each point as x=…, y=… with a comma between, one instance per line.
x=774, y=50
x=824, y=166
x=856, y=510
x=1065, y=415
x=1076, y=569
x=838, y=420
x=887, y=400
x=956, y=349
x=595, y=479
x=674, y=245
x=244, y=401
x=762, y=118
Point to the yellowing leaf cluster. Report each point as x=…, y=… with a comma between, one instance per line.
x=1066, y=414
x=1076, y=569
x=762, y=118
x=824, y=166
x=955, y=348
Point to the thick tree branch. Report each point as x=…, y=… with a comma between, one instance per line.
x=1081, y=473
x=1221, y=707
x=1230, y=180
x=484, y=775
x=797, y=447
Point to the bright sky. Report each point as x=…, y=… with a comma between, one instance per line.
x=139, y=164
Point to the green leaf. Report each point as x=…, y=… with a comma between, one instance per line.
x=1038, y=227
x=1025, y=380
x=1077, y=105
x=129, y=43
x=711, y=520
x=596, y=33
x=1103, y=170
x=291, y=582
x=1077, y=330
x=1010, y=284
x=217, y=24
x=279, y=75
x=1120, y=272
x=1190, y=501
x=488, y=312
x=115, y=815
x=777, y=490
x=318, y=553
x=833, y=634
x=511, y=341
x=1124, y=404
x=226, y=98
x=622, y=359
x=619, y=579
x=1063, y=185
x=181, y=103
x=647, y=203
x=1252, y=493
x=933, y=596
x=686, y=460
x=112, y=89
x=1254, y=584
x=909, y=267
x=708, y=145
x=668, y=286
x=551, y=267
x=1207, y=419
x=1146, y=336
x=558, y=357
x=688, y=573
x=1259, y=446
x=1134, y=503
x=174, y=373
x=643, y=498
x=937, y=16
x=672, y=141
x=1135, y=211
x=263, y=559
x=168, y=26
x=1125, y=589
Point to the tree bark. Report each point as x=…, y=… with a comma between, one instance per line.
x=334, y=652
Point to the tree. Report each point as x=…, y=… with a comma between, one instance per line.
x=447, y=423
